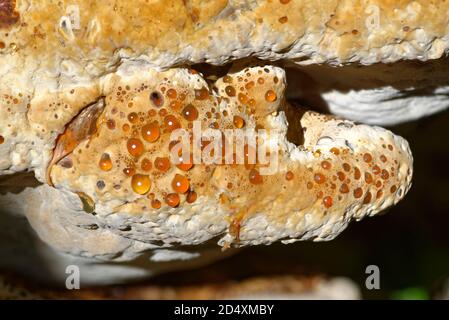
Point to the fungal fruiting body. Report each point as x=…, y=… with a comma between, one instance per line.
x=340, y=171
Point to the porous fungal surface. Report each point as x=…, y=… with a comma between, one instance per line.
x=89, y=102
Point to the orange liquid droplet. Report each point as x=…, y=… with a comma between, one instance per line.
x=110, y=124
x=385, y=175
x=180, y=184
x=172, y=94
x=105, y=162
x=146, y=164
x=135, y=147
x=255, y=177
x=201, y=94
x=2, y=140
x=368, y=177
x=230, y=91
x=243, y=98
x=328, y=201
x=140, y=183
x=239, y=122
x=357, y=173
x=344, y=188
x=129, y=171
x=190, y=113
x=157, y=99
x=150, y=132
x=319, y=178
x=326, y=165
x=126, y=127
x=133, y=117
x=358, y=193
x=156, y=204
x=185, y=164
x=172, y=199
x=289, y=176
x=162, y=164
x=367, y=198
x=335, y=151
x=171, y=123
x=227, y=79
x=270, y=96
x=367, y=157
x=191, y=197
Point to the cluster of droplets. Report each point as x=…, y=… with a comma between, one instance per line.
x=332, y=180
x=147, y=133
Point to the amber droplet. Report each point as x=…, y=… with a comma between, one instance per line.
x=346, y=167
x=358, y=193
x=319, y=178
x=110, y=124
x=376, y=170
x=201, y=94
x=283, y=19
x=328, y=201
x=239, y=122
x=135, y=147
x=341, y=176
x=126, y=127
x=393, y=189
x=230, y=91
x=162, y=164
x=249, y=85
x=368, y=177
x=385, y=175
x=191, y=196
x=243, y=98
x=367, y=198
x=150, y=132
x=227, y=79
x=140, y=183
x=156, y=204
x=172, y=199
x=367, y=157
x=185, y=165
x=172, y=94
x=357, y=173
x=105, y=162
x=190, y=113
x=335, y=151
x=157, y=99
x=146, y=164
x=284, y=1
x=171, y=123
x=326, y=165
x=129, y=171
x=344, y=188
x=180, y=184
x=255, y=177
x=2, y=139
x=133, y=117
x=270, y=96
x=383, y=158
x=289, y=176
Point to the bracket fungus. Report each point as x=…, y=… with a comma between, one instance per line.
x=101, y=109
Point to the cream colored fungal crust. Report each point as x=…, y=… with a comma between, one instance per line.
x=110, y=60
x=339, y=172
x=169, y=31
x=50, y=48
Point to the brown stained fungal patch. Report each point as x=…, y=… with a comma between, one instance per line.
x=8, y=15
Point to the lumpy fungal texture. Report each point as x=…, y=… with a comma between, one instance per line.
x=136, y=141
